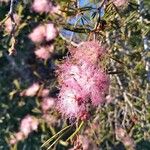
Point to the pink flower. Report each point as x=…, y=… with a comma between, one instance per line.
x=119, y=3
x=13, y=141
x=8, y=23
x=6, y=1
x=67, y=104
x=45, y=6
x=47, y=103
x=44, y=52
x=38, y=34
x=97, y=96
x=19, y=136
x=43, y=32
x=90, y=52
x=31, y=91
x=51, y=32
x=82, y=81
x=109, y=99
x=86, y=79
x=28, y=124
x=41, y=6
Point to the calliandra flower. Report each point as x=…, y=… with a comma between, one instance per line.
x=82, y=81
x=68, y=103
x=31, y=91
x=44, y=52
x=51, y=32
x=41, y=6
x=79, y=84
x=28, y=124
x=109, y=99
x=47, y=103
x=9, y=23
x=87, y=79
x=90, y=51
x=119, y=3
x=19, y=136
x=38, y=34
x=46, y=32
x=45, y=6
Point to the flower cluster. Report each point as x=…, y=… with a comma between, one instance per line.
x=44, y=6
x=36, y=90
x=45, y=32
x=47, y=103
x=82, y=81
x=28, y=124
x=31, y=91
x=41, y=33
x=44, y=52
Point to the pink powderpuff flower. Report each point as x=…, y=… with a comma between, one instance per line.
x=97, y=96
x=46, y=32
x=90, y=51
x=6, y=1
x=86, y=78
x=68, y=103
x=82, y=81
x=45, y=6
x=28, y=124
x=8, y=23
x=47, y=103
x=51, y=32
x=109, y=99
x=31, y=91
x=38, y=34
x=41, y=6
x=44, y=52
x=19, y=136
x=119, y=3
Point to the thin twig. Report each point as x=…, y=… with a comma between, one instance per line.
x=10, y=13
x=68, y=41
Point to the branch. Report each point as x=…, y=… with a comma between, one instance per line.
x=10, y=13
